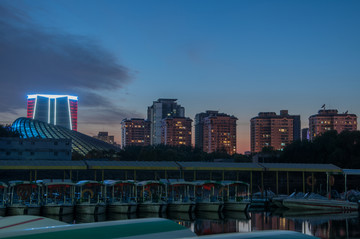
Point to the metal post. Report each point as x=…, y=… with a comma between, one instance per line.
x=102, y=175
x=165, y=174
x=64, y=174
x=71, y=175
x=312, y=182
x=237, y=176
x=327, y=183
x=330, y=186
x=210, y=175
x=262, y=184
x=155, y=174
x=35, y=175
x=134, y=175
x=251, y=185
x=194, y=175
x=303, y=177
x=182, y=174
x=30, y=175
x=95, y=175
x=287, y=183
x=345, y=186
x=277, y=182
x=223, y=175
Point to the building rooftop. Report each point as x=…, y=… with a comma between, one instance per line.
x=81, y=143
x=331, y=112
x=71, y=97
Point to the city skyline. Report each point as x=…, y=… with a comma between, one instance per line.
x=240, y=58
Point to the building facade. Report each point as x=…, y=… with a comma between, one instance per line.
x=135, y=132
x=104, y=136
x=176, y=131
x=330, y=119
x=199, y=126
x=219, y=133
x=35, y=149
x=271, y=130
x=159, y=110
x=60, y=110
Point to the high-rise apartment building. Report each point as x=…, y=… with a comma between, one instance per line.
x=60, y=110
x=271, y=130
x=135, y=132
x=161, y=109
x=199, y=126
x=176, y=131
x=219, y=133
x=327, y=120
x=104, y=136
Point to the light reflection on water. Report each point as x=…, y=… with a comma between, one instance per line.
x=319, y=224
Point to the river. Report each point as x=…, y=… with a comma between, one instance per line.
x=319, y=224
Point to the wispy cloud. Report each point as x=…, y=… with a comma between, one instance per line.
x=36, y=60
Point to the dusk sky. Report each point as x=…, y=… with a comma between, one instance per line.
x=238, y=57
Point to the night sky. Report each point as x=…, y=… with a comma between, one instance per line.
x=238, y=57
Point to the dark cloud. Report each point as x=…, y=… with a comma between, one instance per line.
x=36, y=60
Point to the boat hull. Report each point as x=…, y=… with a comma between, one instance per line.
x=209, y=206
x=278, y=202
x=2, y=211
x=16, y=210
x=236, y=206
x=58, y=209
x=260, y=203
x=122, y=208
x=181, y=207
x=315, y=204
x=90, y=208
x=152, y=207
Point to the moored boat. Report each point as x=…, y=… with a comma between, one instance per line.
x=91, y=197
x=209, y=196
x=3, y=198
x=121, y=196
x=320, y=204
x=278, y=200
x=181, y=195
x=151, y=196
x=59, y=197
x=261, y=200
x=237, y=196
x=25, y=198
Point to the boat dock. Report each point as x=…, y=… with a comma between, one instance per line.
x=280, y=178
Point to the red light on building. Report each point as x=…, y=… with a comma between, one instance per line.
x=30, y=108
x=73, y=112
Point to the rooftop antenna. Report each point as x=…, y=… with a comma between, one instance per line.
x=323, y=106
x=346, y=112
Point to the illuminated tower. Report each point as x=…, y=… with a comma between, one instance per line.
x=58, y=110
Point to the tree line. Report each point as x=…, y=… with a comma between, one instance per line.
x=341, y=149
x=165, y=153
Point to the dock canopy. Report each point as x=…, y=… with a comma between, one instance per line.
x=41, y=164
x=351, y=171
x=133, y=165
x=301, y=167
x=214, y=166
